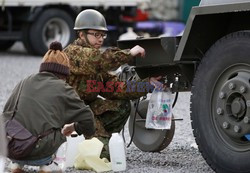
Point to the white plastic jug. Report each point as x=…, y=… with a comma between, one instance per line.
x=117, y=152
x=72, y=149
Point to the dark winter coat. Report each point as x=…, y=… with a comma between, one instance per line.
x=48, y=102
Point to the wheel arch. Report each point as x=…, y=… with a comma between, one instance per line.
x=203, y=30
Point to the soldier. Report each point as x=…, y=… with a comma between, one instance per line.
x=90, y=75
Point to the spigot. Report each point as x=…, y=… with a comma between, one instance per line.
x=175, y=85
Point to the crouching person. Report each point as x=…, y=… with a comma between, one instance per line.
x=49, y=109
x=2, y=146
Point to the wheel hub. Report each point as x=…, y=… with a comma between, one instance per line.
x=238, y=108
x=231, y=108
x=56, y=29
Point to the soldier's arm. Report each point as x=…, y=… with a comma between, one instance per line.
x=86, y=60
x=78, y=113
x=114, y=58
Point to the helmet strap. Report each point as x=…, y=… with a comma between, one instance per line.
x=84, y=32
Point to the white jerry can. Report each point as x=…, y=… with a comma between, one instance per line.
x=117, y=152
x=72, y=149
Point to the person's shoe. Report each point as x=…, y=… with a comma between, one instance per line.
x=16, y=168
x=51, y=168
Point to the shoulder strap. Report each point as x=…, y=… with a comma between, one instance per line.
x=46, y=133
x=15, y=109
x=17, y=99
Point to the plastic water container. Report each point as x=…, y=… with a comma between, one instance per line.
x=72, y=149
x=117, y=152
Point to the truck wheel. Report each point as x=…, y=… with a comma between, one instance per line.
x=5, y=45
x=220, y=104
x=51, y=25
x=149, y=140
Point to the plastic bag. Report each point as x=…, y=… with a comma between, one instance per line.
x=61, y=156
x=88, y=157
x=159, y=114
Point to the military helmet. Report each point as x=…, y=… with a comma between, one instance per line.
x=90, y=19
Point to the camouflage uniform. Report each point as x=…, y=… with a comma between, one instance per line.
x=88, y=63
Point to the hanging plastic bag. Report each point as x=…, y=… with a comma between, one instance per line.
x=159, y=114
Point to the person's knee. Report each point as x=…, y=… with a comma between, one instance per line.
x=125, y=106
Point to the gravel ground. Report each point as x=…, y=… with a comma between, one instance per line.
x=181, y=156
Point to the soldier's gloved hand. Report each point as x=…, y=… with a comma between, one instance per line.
x=155, y=82
x=68, y=129
x=137, y=50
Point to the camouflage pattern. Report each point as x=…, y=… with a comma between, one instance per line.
x=88, y=63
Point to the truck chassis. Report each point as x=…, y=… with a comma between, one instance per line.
x=211, y=60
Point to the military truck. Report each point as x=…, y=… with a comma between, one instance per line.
x=211, y=59
x=37, y=23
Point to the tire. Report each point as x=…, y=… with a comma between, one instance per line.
x=51, y=25
x=219, y=113
x=5, y=45
x=26, y=38
x=148, y=140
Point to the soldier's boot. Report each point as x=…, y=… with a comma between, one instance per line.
x=105, y=149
